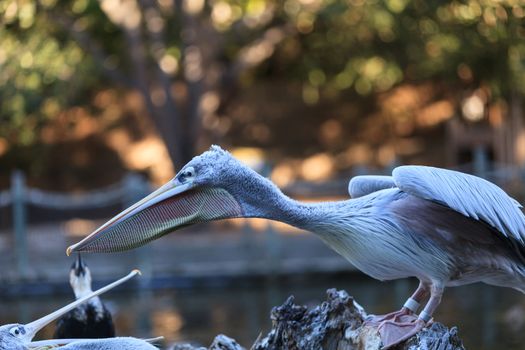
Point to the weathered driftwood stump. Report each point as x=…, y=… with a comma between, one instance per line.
x=336, y=324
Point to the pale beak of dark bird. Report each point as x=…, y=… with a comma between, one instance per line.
x=78, y=267
x=171, y=207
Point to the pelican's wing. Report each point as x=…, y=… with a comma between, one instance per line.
x=362, y=185
x=470, y=195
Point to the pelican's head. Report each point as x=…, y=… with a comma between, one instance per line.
x=14, y=337
x=211, y=186
x=19, y=336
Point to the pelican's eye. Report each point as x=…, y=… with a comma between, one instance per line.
x=17, y=331
x=186, y=175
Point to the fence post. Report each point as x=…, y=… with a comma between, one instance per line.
x=273, y=251
x=18, y=188
x=480, y=161
x=272, y=239
x=135, y=188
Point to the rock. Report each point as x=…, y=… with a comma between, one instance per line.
x=186, y=347
x=324, y=327
x=435, y=337
x=221, y=342
x=336, y=324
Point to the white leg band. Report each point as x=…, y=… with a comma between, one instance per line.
x=424, y=316
x=412, y=305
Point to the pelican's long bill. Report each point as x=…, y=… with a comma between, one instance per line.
x=170, y=207
x=60, y=342
x=32, y=328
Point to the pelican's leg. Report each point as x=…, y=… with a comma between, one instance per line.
x=436, y=292
x=412, y=303
x=393, y=333
x=409, y=308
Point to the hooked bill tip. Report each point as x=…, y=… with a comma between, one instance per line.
x=136, y=272
x=69, y=250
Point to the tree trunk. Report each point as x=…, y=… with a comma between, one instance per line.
x=336, y=324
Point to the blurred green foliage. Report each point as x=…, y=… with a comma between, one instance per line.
x=370, y=46
x=42, y=71
x=333, y=47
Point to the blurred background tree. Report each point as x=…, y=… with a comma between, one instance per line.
x=352, y=79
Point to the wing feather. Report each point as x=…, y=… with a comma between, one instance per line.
x=365, y=184
x=470, y=195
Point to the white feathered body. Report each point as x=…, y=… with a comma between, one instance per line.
x=119, y=343
x=350, y=229
x=449, y=231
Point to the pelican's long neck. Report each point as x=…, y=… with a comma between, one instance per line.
x=260, y=198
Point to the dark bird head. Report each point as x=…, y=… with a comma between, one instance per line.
x=211, y=186
x=80, y=278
